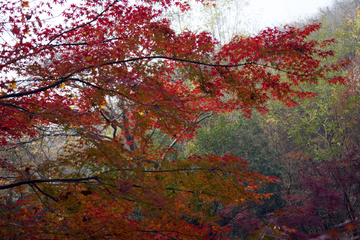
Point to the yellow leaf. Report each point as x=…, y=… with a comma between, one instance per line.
x=88, y=58
x=13, y=85
x=25, y=4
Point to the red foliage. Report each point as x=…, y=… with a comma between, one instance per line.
x=329, y=201
x=106, y=77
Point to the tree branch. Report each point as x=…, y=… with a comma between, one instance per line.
x=20, y=94
x=69, y=180
x=49, y=196
x=85, y=43
x=16, y=107
x=83, y=25
x=177, y=139
x=169, y=58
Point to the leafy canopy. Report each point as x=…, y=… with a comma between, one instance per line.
x=92, y=86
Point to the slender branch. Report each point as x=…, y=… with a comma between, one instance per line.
x=150, y=135
x=205, y=117
x=85, y=43
x=16, y=107
x=177, y=139
x=31, y=185
x=83, y=25
x=68, y=77
x=281, y=70
x=49, y=196
x=103, y=115
x=160, y=231
x=175, y=170
x=169, y=58
x=183, y=169
x=189, y=191
x=196, y=122
x=69, y=180
x=129, y=138
x=103, y=89
x=42, y=89
x=60, y=34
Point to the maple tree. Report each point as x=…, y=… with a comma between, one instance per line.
x=101, y=82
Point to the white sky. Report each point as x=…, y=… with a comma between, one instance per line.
x=249, y=18
x=269, y=13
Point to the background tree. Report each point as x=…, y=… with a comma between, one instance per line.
x=222, y=18
x=328, y=204
x=322, y=130
x=235, y=134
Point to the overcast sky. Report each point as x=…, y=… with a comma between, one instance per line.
x=268, y=13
